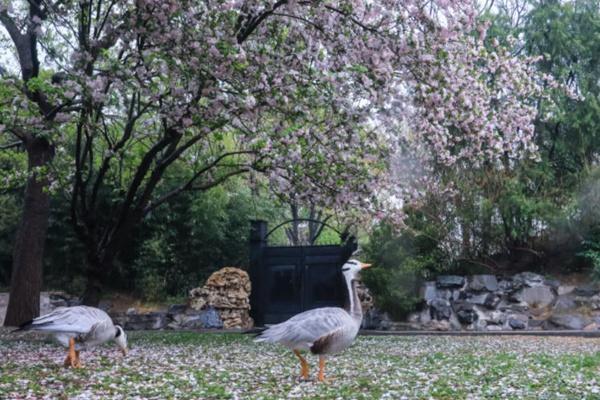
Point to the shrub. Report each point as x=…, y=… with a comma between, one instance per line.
x=403, y=260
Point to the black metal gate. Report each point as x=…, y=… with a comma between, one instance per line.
x=287, y=280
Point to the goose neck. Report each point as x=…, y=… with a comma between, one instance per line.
x=355, y=308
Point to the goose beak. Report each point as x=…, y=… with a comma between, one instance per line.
x=124, y=351
x=365, y=266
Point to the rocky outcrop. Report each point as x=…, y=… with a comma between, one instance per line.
x=228, y=292
x=490, y=303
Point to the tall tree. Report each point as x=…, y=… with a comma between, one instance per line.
x=307, y=93
x=28, y=114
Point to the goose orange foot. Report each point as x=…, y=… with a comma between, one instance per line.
x=72, y=359
x=303, y=364
x=321, y=376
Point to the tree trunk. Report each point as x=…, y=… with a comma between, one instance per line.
x=93, y=289
x=28, y=251
x=95, y=273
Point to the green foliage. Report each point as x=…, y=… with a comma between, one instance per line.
x=151, y=285
x=180, y=244
x=534, y=207
x=403, y=261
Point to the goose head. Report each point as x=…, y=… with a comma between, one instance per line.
x=351, y=269
x=121, y=339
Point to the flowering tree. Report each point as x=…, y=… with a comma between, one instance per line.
x=27, y=114
x=308, y=93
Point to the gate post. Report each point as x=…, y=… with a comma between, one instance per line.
x=258, y=242
x=350, y=246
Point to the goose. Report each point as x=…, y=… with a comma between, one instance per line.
x=78, y=328
x=323, y=331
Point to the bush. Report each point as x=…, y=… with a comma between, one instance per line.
x=403, y=261
x=152, y=286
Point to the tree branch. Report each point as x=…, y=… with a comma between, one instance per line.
x=10, y=145
x=201, y=188
x=253, y=22
x=189, y=184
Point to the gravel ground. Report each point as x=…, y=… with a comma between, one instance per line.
x=188, y=365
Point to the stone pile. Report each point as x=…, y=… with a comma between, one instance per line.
x=228, y=292
x=492, y=303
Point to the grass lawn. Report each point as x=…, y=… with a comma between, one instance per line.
x=186, y=365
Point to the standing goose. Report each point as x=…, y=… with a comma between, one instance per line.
x=323, y=331
x=78, y=328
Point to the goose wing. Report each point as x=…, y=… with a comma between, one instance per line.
x=307, y=327
x=79, y=319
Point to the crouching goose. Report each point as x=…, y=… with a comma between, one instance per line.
x=78, y=328
x=323, y=331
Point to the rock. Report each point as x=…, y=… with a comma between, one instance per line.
x=445, y=294
x=592, y=327
x=479, y=325
x=131, y=311
x=366, y=298
x=59, y=299
x=211, y=319
x=105, y=305
x=454, y=322
x=428, y=291
x=494, y=328
x=517, y=322
x=467, y=316
x=591, y=302
x=494, y=317
x=564, y=303
x=535, y=296
x=586, y=290
x=483, y=282
x=177, y=309
x=373, y=318
x=464, y=312
x=60, y=303
x=529, y=279
x=536, y=323
x=413, y=318
x=553, y=283
x=147, y=321
x=425, y=315
x=228, y=292
x=450, y=281
x=564, y=289
x=492, y=301
x=478, y=299
x=517, y=307
x=508, y=285
x=440, y=309
x=570, y=321
x=208, y=318
x=387, y=323
x=443, y=325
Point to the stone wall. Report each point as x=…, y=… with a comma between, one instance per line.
x=494, y=303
